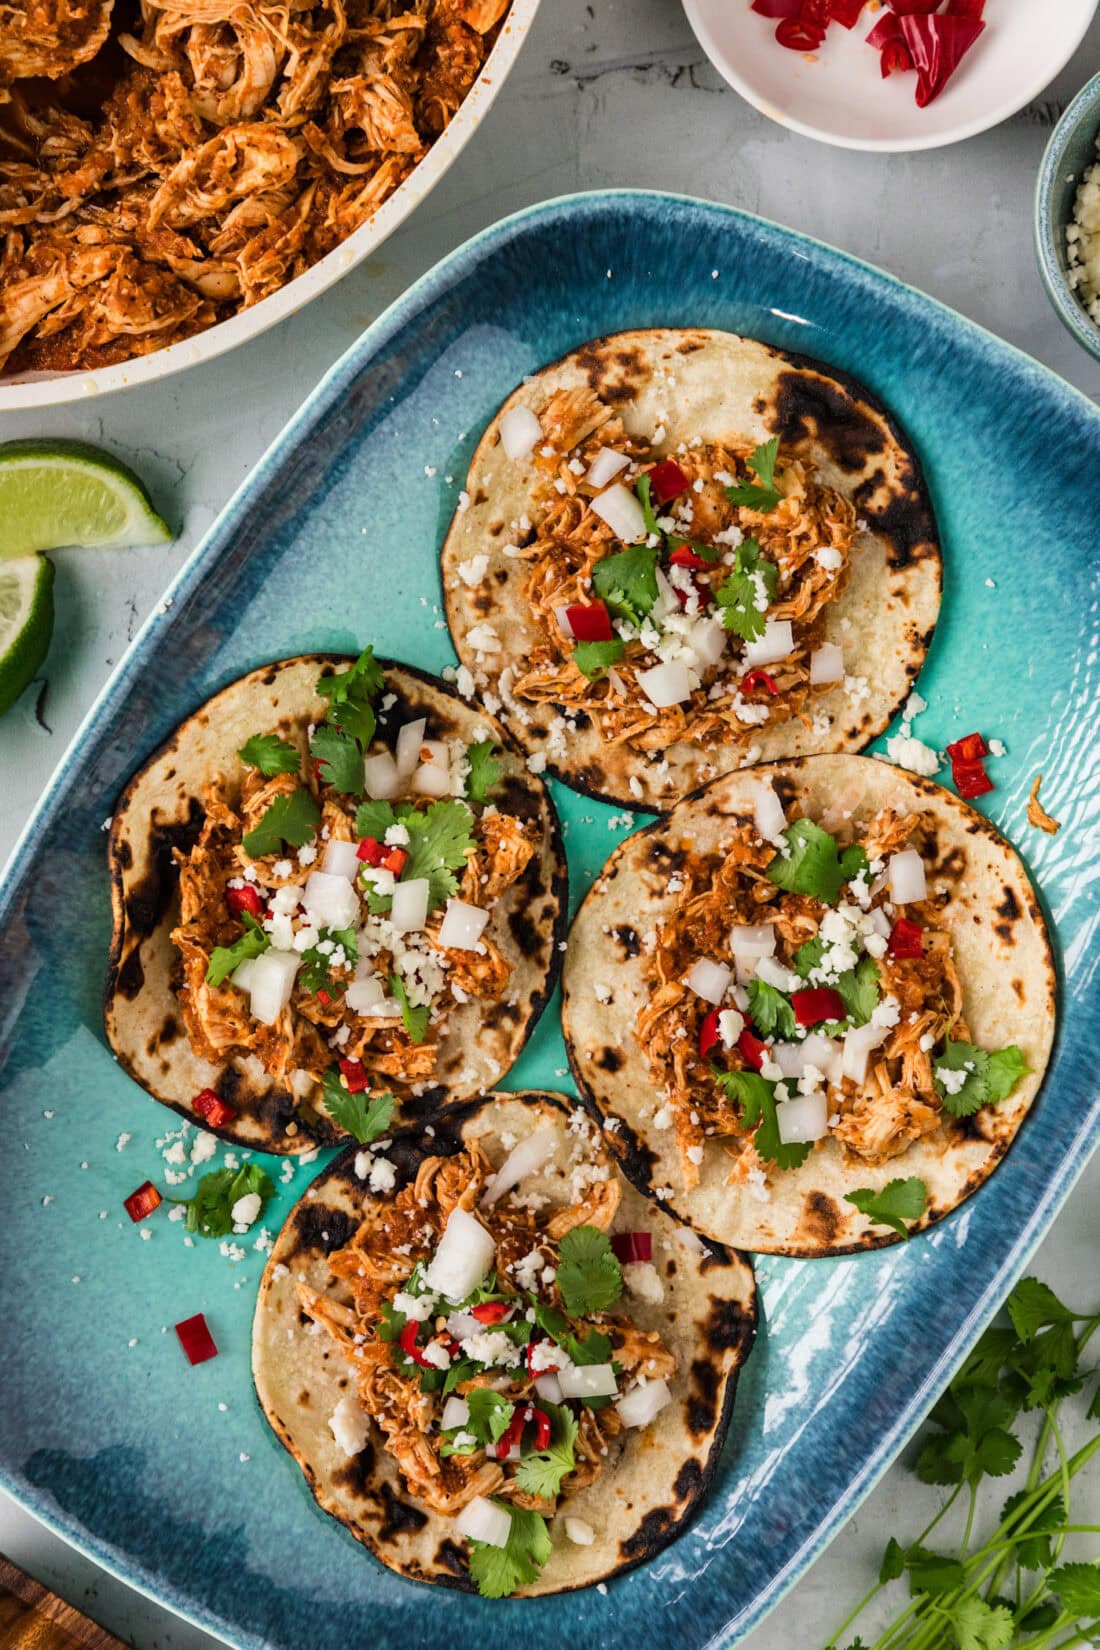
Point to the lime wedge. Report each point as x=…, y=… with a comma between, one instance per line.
x=54, y=493
x=26, y=622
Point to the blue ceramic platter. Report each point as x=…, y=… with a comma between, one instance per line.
x=167, y=1474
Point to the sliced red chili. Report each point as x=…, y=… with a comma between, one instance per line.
x=213, y=1108
x=846, y=12
x=407, y=1342
x=798, y=36
x=244, y=899
x=323, y=997
x=589, y=622
x=196, y=1339
x=490, y=1311
x=894, y=59
x=542, y=1427
x=708, y=1032
x=685, y=556
x=970, y=748
x=776, y=8
x=632, y=1246
x=752, y=1049
x=937, y=46
x=396, y=860
x=142, y=1202
x=970, y=779
x=512, y=1434
x=354, y=1074
x=666, y=481
x=371, y=850
x=702, y=591
x=758, y=678
x=906, y=939
x=818, y=1003
x=547, y=1369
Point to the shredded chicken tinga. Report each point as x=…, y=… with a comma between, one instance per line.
x=209, y=152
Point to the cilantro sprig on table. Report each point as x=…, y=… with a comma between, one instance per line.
x=210, y=1208
x=1012, y=1588
x=761, y=494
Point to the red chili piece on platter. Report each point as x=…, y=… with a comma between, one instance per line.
x=354, y=1074
x=589, y=622
x=213, y=1108
x=631, y=1246
x=970, y=779
x=196, y=1339
x=819, y=1003
x=240, y=900
x=666, y=481
x=142, y=1202
x=970, y=748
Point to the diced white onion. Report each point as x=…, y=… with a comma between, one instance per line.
x=270, y=983
x=615, y=683
x=708, y=641
x=804, y=1118
x=562, y=616
x=456, y=1412
x=880, y=922
x=482, y=1520
x=428, y=780
x=409, y=740
x=363, y=996
x=464, y=1258
x=330, y=901
x=774, y=973
x=519, y=430
x=857, y=1046
x=380, y=776
x=340, y=860
x=641, y=1404
x=665, y=684
x=388, y=1009
x=605, y=466
x=709, y=980
x=775, y=644
x=622, y=513
x=526, y=1157
x=667, y=601
x=549, y=1387
x=410, y=905
x=462, y=926
x=788, y=1057
x=825, y=1053
x=753, y=940
x=826, y=664
x=436, y=752
x=588, y=1381
x=242, y=974
x=461, y=1325
x=767, y=812
x=580, y=1533
x=906, y=873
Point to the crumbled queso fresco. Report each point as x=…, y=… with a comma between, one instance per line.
x=1083, y=242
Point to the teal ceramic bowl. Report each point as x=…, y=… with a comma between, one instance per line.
x=1071, y=150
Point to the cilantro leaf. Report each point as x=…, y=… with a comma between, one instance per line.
x=931, y=1572
x=341, y=758
x=982, y=1626
x=589, y=1277
x=859, y=991
x=362, y=1115
x=439, y=840
x=757, y=1098
x=210, y=1209
x=643, y=488
x=293, y=817
x=498, y=1571
x=1078, y=1587
x=349, y=693
x=974, y=1439
x=541, y=1473
x=1034, y=1550
x=595, y=1348
x=490, y=1415
x=753, y=576
x=270, y=754
x=706, y=552
x=627, y=582
x=484, y=772
x=761, y=494
x=893, y=1562
x=990, y=1076
x=899, y=1201
x=314, y=974
x=1032, y=1306
x=225, y=958
x=415, y=1020
x=772, y=1014
x=812, y=863
x=595, y=659
x=375, y=818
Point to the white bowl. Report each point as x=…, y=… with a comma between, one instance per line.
x=21, y=391
x=841, y=98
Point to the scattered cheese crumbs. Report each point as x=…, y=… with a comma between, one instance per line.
x=642, y=1279
x=122, y=1142
x=580, y=1533
x=246, y=1209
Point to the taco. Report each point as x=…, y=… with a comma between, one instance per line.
x=813, y=1005
x=335, y=884
x=681, y=552
x=493, y=1360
